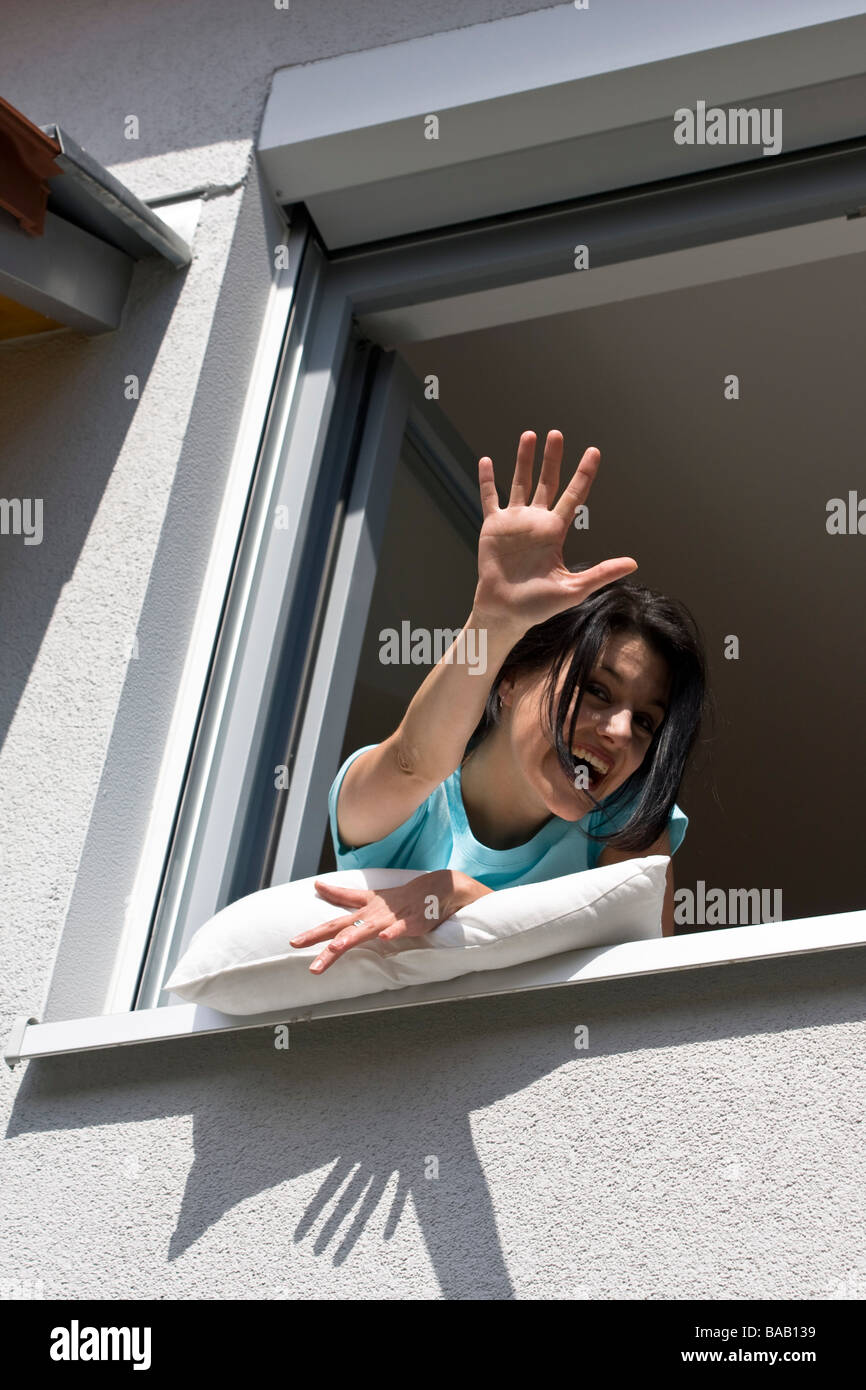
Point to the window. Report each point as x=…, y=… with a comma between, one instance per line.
x=350, y=428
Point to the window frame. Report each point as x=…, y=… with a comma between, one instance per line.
x=330, y=295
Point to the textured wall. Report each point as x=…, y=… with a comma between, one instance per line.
x=706, y=1144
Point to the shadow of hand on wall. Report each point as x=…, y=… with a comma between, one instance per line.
x=384, y=1105
x=356, y=1127
x=343, y=1209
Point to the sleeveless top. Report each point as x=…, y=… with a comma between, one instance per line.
x=437, y=836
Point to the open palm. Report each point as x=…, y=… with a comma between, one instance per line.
x=521, y=573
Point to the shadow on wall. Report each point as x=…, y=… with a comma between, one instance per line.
x=618, y=1125
x=161, y=537
x=65, y=417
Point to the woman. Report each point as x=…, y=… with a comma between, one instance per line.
x=574, y=737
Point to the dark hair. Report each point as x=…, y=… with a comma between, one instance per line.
x=667, y=626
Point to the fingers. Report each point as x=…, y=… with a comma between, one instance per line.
x=332, y=952
x=487, y=487
x=548, y=479
x=347, y=936
x=587, y=581
x=521, y=483
x=326, y=930
x=393, y=933
x=577, y=491
x=343, y=897
x=341, y=933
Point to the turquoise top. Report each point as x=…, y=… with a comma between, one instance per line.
x=437, y=836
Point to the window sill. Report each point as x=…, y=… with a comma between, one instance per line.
x=30, y=1038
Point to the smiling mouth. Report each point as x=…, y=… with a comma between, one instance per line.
x=596, y=770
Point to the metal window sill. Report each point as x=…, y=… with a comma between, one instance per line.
x=29, y=1038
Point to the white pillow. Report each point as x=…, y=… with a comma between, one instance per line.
x=241, y=962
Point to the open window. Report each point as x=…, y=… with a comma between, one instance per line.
x=711, y=348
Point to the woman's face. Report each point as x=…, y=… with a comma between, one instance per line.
x=623, y=704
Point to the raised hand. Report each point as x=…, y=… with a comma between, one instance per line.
x=521, y=575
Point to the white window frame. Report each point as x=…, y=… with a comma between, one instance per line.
x=303, y=417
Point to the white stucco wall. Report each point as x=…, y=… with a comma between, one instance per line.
x=707, y=1144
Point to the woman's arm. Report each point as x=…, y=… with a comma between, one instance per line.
x=386, y=784
x=522, y=580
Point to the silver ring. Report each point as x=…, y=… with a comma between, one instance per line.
x=357, y=922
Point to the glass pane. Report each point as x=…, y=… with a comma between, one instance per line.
x=425, y=580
